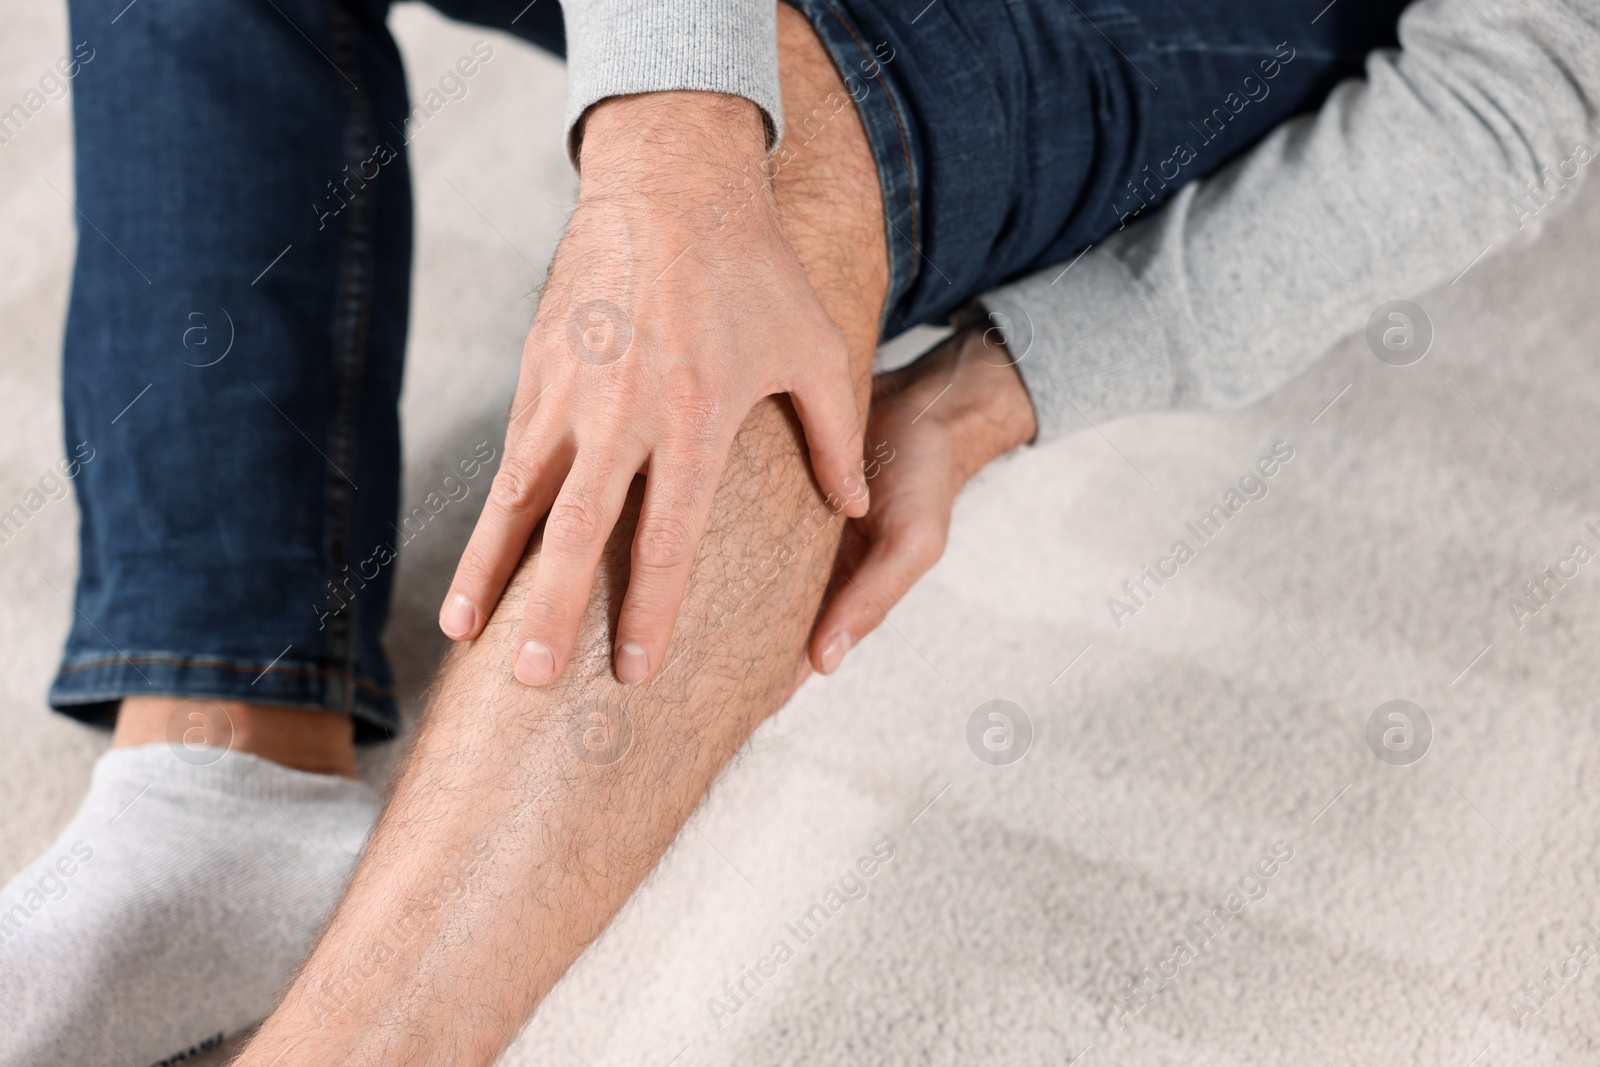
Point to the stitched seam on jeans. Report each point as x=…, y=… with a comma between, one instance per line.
x=351, y=318
x=905, y=149
x=222, y=665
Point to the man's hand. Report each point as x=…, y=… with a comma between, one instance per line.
x=675, y=302
x=943, y=419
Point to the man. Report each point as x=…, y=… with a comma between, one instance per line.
x=508, y=844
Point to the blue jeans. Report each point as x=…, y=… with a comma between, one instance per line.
x=241, y=177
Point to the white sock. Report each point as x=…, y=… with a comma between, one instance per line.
x=173, y=909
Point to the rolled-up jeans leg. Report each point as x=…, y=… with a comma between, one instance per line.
x=233, y=353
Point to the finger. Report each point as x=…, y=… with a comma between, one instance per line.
x=575, y=533
x=519, y=496
x=677, y=507
x=832, y=421
x=890, y=567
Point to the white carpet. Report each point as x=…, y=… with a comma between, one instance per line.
x=1226, y=716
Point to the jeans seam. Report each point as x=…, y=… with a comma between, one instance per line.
x=900, y=128
x=905, y=152
x=352, y=307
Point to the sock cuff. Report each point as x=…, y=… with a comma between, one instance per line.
x=233, y=773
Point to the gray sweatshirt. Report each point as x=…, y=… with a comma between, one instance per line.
x=1464, y=141
x=618, y=47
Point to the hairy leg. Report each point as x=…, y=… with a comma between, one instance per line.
x=523, y=819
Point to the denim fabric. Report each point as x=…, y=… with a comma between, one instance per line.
x=239, y=496
x=237, y=503
x=1012, y=134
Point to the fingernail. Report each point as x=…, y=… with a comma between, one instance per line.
x=536, y=665
x=633, y=662
x=833, y=651
x=458, y=617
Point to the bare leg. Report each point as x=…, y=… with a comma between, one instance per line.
x=523, y=819
x=318, y=741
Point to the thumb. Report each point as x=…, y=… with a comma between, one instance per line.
x=886, y=573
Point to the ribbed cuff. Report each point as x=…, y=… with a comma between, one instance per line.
x=621, y=47
x=239, y=774
x=1088, y=344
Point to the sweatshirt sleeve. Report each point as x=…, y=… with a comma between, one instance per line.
x=1465, y=140
x=619, y=47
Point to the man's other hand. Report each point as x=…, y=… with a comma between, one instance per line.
x=934, y=425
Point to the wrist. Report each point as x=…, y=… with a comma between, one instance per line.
x=992, y=413
x=660, y=139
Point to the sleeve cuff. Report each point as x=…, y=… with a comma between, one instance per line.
x=622, y=47
x=1089, y=345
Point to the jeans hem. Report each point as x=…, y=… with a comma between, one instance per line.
x=89, y=688
x=890, y=134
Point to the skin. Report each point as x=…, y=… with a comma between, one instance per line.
x=306, y=740
x=945, y=417
x=676, y=301
x=507, y=789
x=524, y=817
x=942, y=419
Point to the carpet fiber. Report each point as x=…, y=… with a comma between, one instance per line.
x=1220, y=732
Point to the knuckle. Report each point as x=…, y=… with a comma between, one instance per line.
x=697, y=414
x=924, y=545
x=696, y=469
x=835, y=346
x=614, y=392
x=574, y=521
x=543, y=613
x=513, y=487
x=611, y=431
x=664, y=542
x=473, y=572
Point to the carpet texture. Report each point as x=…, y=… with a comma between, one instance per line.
x=1032, y=912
